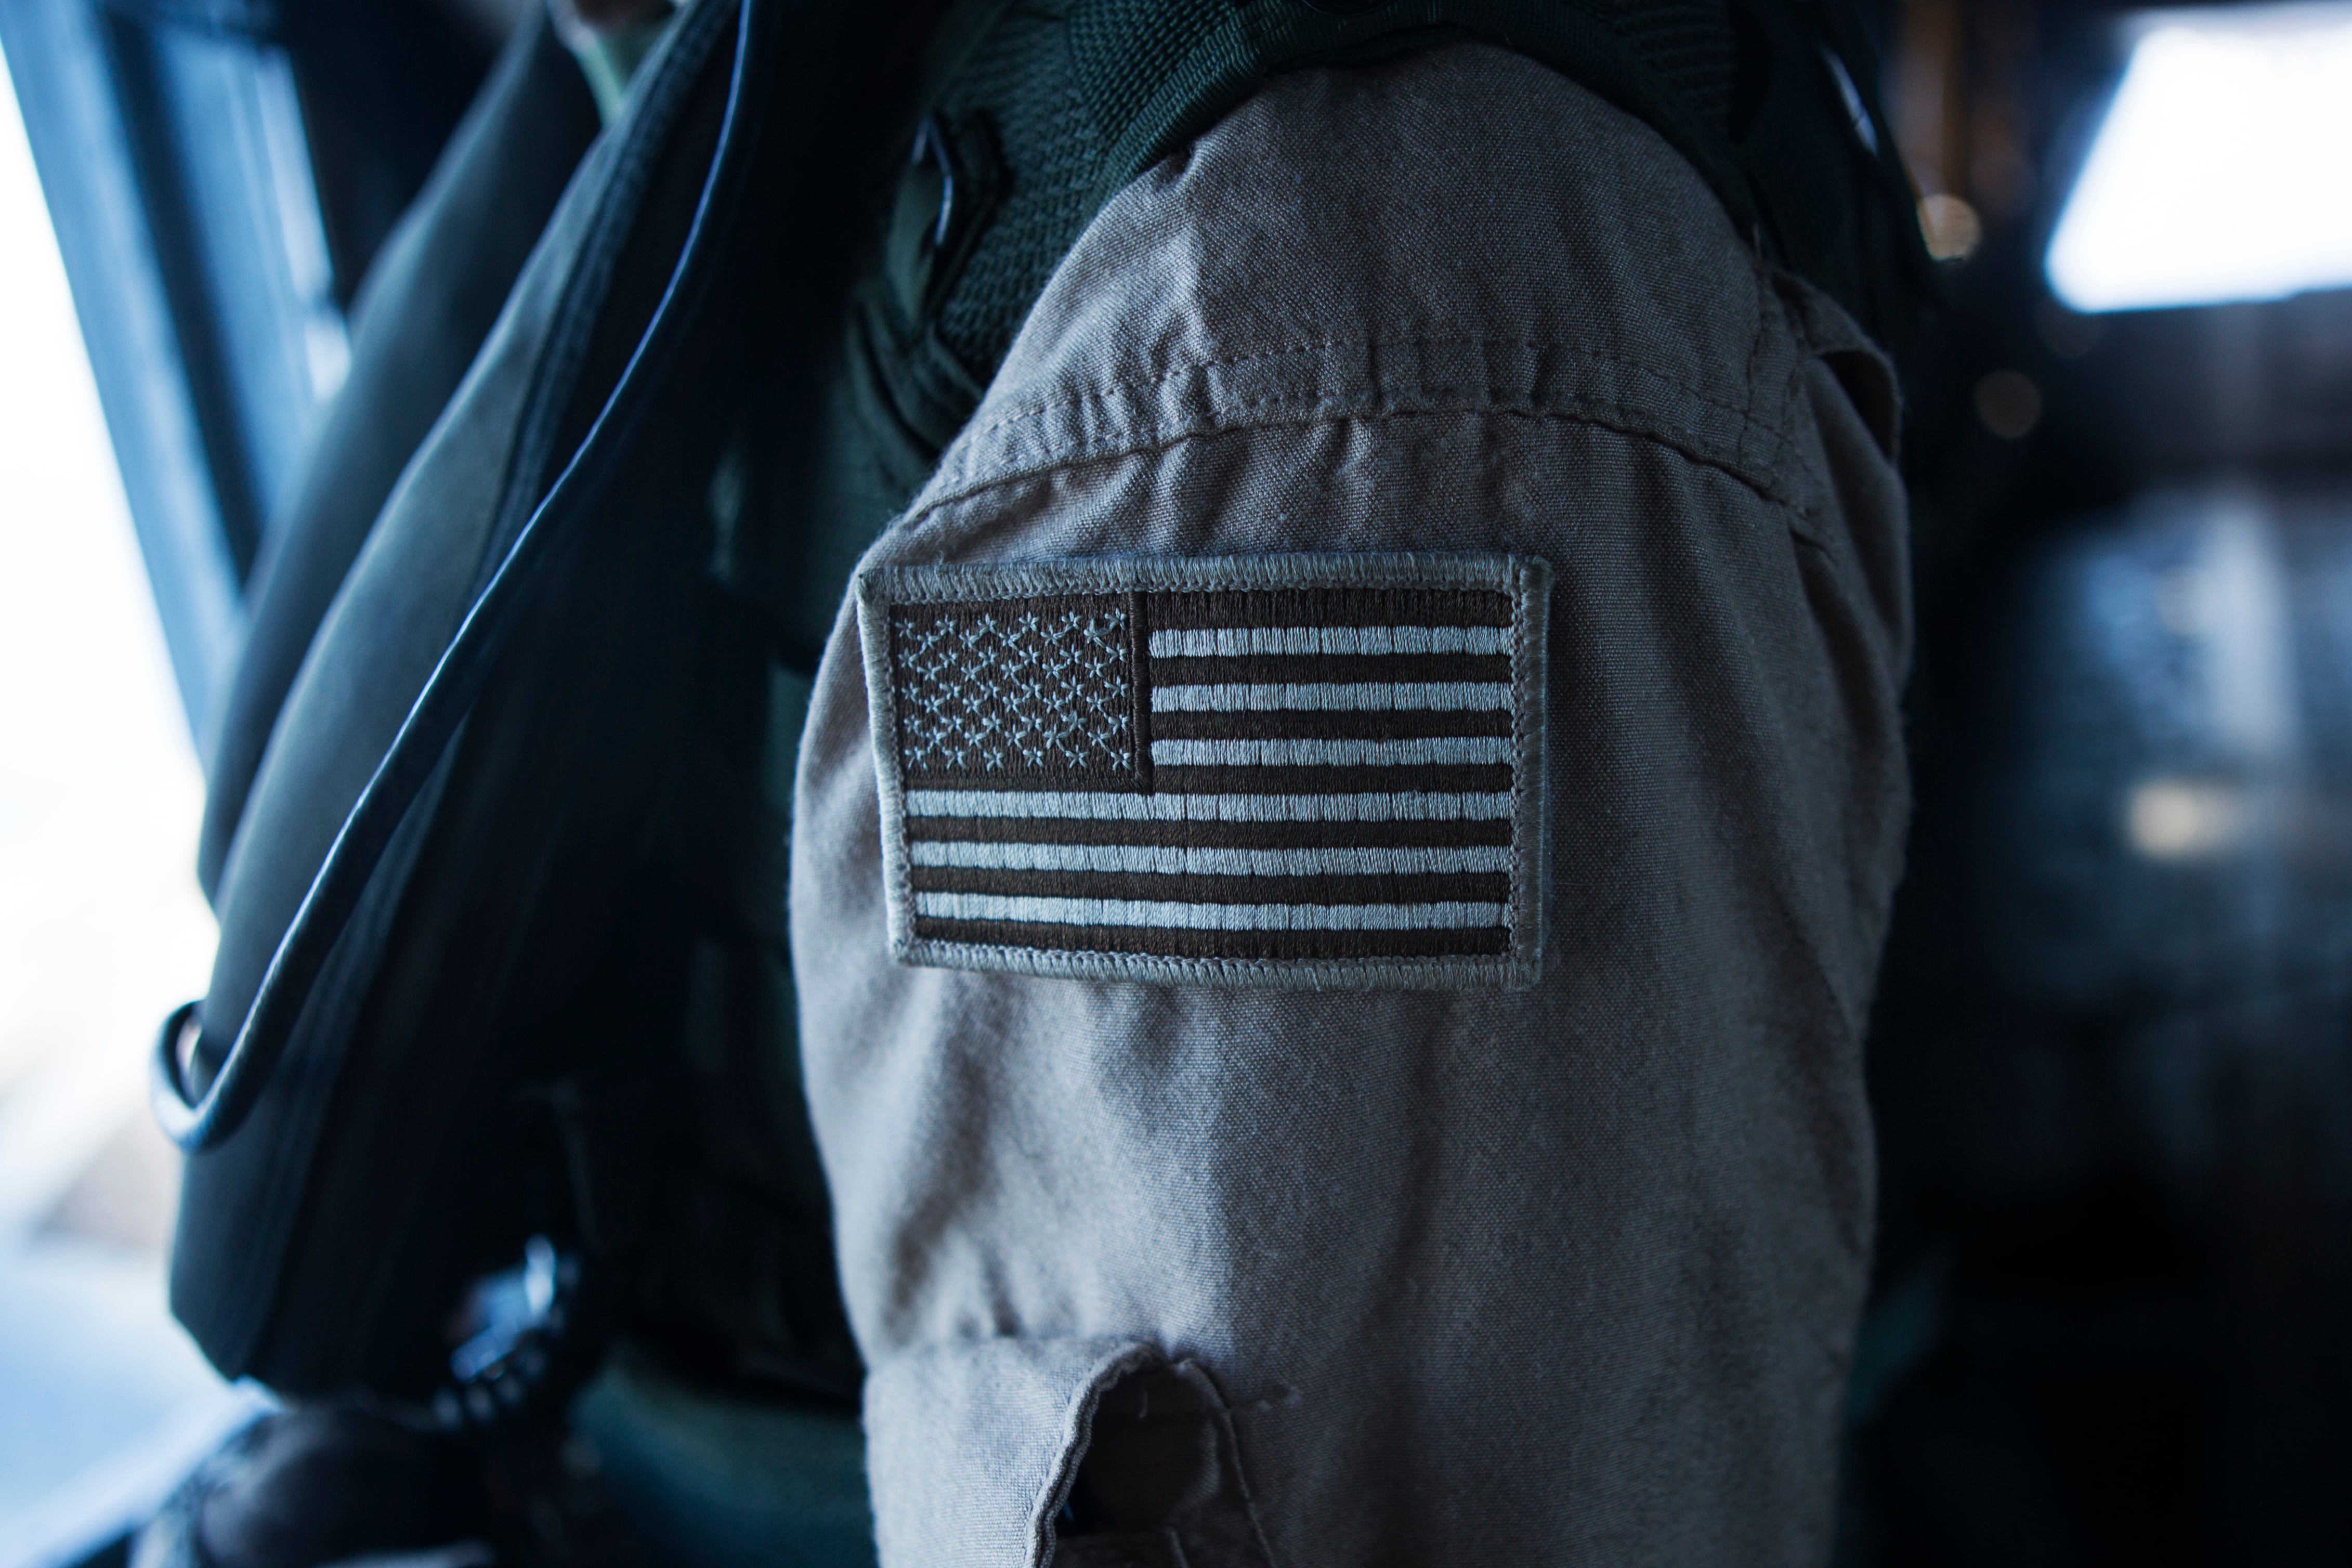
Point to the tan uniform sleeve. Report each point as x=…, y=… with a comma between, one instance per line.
x=1554, y=1259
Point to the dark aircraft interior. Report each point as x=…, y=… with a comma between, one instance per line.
x=2111, y=1054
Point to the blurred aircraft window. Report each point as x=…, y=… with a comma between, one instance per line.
x=2220, y=171
x=103, y=1402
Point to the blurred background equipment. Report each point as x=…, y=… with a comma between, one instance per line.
x=102, y=1401
x=2113, y=1055
x=213, y=181
x=220, y=173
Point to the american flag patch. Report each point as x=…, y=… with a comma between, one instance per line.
x=1306, y=769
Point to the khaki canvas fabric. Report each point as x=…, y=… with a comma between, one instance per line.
x=1566, y=1274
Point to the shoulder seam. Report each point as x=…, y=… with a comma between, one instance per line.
x=957, y=478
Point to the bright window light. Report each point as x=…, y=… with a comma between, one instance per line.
x=2224, y=170
x=104, y=1404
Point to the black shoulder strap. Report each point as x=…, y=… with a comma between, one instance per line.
x=1772, y=101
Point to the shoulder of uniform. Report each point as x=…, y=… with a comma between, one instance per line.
x=1460, y=230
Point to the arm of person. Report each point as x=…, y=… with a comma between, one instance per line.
x=1342, y=846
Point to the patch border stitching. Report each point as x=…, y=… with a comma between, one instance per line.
x=1528, y=581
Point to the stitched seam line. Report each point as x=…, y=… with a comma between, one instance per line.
x=1765, y=485
x=1099, y=391
x=1809, y=504
x=1526, y=710
x=1091, y=963
x=1764, y=302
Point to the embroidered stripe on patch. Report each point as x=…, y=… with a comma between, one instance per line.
x=1266, y=771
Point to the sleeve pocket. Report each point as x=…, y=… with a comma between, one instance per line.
x=1085, y=1453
